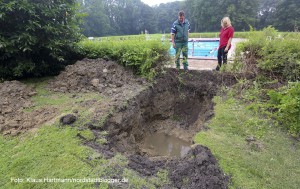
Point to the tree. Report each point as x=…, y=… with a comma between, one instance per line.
x=287, y=15
x=206, y=15
x=243, y=13
x=166, y=14
x=266, y=13
x=96, y=22
x=39, y=36
x=146, y=21
x=124, y=16
x=203, y=15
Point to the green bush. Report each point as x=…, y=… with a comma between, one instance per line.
x=281, y=57
x=143, y=57
x=286, y=103
x=275, y=58
x=272, y=54
x=37, y=37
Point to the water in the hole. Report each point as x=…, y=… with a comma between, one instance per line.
x=165, y=145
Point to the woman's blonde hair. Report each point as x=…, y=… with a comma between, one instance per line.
x=225, y=22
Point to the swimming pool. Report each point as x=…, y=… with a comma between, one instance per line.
x=200, y=49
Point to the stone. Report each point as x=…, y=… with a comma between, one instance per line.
x=95, y=82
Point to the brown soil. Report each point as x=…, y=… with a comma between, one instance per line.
x=15, y=98
x=176, y=104
x=105, y=77
x=197, y=170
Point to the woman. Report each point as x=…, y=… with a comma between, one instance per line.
x=226, y=35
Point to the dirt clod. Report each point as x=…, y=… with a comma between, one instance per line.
x=68, y=119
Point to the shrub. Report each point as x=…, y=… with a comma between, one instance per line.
x=281, y=57
x=271, y=54
x=275, y=58
x=143, y=57
x=37, y=37
x=286, y=102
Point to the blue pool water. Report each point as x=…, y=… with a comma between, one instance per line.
x=200, y=49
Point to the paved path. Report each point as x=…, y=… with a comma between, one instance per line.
x=200, y=64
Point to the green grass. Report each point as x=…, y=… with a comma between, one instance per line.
x=52, y=152
x=56, y=151
x=273, y=161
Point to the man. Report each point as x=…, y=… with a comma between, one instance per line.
x=226, y=35
x=180, y=35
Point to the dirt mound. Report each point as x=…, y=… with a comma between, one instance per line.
x=99, y=75
x=115, y=83
x=15, y=99
x=198, y=169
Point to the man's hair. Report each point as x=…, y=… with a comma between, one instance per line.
x=181, y=13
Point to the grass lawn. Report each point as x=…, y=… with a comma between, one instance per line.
x=250, y=149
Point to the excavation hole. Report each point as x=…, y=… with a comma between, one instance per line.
x=155, y=130
x=163, y=119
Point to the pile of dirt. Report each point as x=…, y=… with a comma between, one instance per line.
x=15, y=99
x=106, y=77
x=198, y=169
x=113, y=82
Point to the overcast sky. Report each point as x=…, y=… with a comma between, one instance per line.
x=156, y=2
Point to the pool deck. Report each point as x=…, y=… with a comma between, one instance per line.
x=209, y=63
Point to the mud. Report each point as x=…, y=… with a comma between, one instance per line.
x=175, y=105
x=198, y=169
